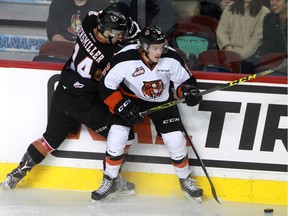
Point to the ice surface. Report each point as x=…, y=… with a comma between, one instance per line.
x=41, y=202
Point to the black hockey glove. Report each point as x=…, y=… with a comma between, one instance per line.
x=128, y=111
x=133, y=30
x=191, y=95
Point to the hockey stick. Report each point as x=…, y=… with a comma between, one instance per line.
x=216, y=88
x=203, y=166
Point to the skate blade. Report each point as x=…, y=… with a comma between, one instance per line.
x=126, y=192
x=104, y=200
x=193, y=199
x=4, y=186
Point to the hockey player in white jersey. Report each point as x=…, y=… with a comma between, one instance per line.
x=138, y=78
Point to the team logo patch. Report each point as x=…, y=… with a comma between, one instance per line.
x=104, y=72
x=78, y=85
x=139, y=71
x=152, y=89
x=114, y=18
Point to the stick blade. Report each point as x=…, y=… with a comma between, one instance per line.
x=215, y=195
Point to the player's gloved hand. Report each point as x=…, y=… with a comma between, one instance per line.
x=191, y=95
x=133, y=30
x=128, y=111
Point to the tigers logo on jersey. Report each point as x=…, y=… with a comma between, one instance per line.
x=152, y=89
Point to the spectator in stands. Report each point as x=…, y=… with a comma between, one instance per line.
x=65, y=17
x=211, y=9
x=266, y=3
x=157, y=12
x=240, y=28
x=151, y=10
x=122, y=7
x=274, y=46
x=223, y=4
x=275, y=29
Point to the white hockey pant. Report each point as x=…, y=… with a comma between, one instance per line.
x=116, y=142
x=176, y=145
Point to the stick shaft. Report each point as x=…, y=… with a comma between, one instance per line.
x=203, y=167
x=216, y=88
x=236, y=82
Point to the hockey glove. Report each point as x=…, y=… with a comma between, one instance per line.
x=191, y=95
x=128, y=112
x=133, y=30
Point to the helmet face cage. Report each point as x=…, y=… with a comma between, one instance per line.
x=152, y=35
x=111, y=20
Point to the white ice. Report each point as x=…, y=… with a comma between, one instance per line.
x=41, y=202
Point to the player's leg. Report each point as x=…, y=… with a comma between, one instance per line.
x=116, y=142
x=96, y=119
x=168, y=123
x=58, y=127
x=176, y=145
x=123, y=185
x=31, y=157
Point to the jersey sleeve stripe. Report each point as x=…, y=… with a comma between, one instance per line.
x=113, y=99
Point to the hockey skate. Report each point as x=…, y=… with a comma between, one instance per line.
x=191, y=191
x=18, y=173
x=106, y=190
x=124, y=186
x=13, y=178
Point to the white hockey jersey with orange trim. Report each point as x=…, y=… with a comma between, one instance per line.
x=135, y=78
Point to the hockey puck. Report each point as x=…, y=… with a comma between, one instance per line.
x=268, y=210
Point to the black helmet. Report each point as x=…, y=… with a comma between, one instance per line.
x=152, y=35
x=111, y=19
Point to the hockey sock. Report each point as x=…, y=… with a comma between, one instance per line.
x=181, y=167
x=112, y=165
x=123, y=160
x=35, y=154
x=27, y=163
x=126, y=150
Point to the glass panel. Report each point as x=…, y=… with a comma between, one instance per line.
x=23, y=23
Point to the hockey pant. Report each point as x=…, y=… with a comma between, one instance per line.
x=116, y=142
x=67, y=112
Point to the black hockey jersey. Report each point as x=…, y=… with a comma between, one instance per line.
x=89, y=56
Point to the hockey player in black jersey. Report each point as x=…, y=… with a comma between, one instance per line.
x=138, y=78
x=76, y=99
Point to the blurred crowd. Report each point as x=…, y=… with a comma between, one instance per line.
x=239, y=36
